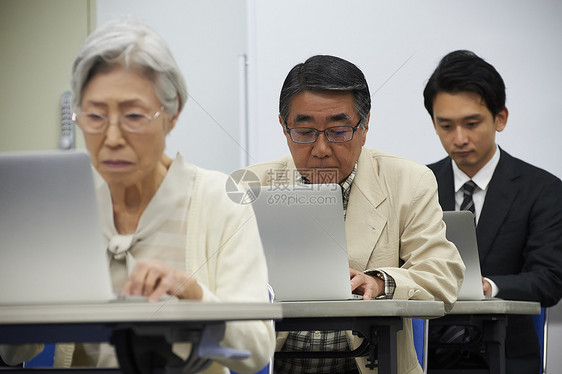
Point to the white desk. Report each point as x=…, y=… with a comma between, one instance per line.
x=490, y=316
x=137, y=329
x=376, y=320
x=496, y=306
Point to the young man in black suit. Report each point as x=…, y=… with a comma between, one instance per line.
x=517, y=206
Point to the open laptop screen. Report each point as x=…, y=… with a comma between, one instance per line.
x=51, y=243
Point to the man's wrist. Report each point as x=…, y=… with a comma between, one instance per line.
x=495, y=288
x=389, y=283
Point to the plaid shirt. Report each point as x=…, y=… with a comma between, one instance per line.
x=327, y=341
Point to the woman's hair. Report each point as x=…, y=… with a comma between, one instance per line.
x=133, y=45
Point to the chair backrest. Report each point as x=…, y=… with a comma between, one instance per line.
x=419, y=328
x=542, y=331
x=44, y=359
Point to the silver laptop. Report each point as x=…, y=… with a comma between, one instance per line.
x=303, y=235
x=461, y=231
x=51, y=243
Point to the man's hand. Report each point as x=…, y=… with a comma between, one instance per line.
x=153, y=279
x=366, y=285
x=487, y=287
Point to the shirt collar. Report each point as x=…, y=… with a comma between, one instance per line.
x=346, y=184
x=482, y=178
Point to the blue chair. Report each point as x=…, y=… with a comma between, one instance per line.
x=418, y=328
x=44, y=359
x=541, y=326
x=265, y=370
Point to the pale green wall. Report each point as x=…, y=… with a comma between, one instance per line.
x=38, y=42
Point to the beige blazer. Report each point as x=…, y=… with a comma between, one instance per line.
x=394, y=223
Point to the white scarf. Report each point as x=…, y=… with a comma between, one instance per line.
x=152, y=218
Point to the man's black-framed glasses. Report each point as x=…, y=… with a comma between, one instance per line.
x=335, y=134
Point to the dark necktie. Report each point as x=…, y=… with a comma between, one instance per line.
x=468, y=190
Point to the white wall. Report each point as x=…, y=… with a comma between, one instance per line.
x=397, y=44
x=206, y=38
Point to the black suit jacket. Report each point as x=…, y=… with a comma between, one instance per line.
x=519, y=237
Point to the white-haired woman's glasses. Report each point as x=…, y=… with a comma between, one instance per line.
x=93, y=123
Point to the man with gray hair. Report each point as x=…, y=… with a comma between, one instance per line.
x=395, y=233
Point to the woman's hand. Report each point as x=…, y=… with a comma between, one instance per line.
x=366, y=285
x=153, y=279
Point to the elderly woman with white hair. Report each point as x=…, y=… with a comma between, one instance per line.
x=170, y=228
